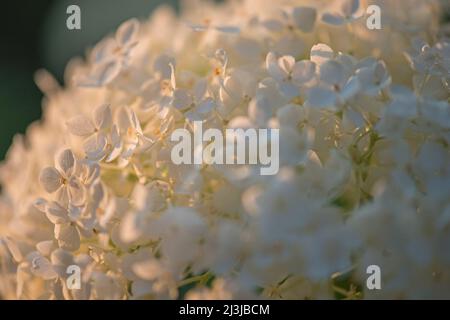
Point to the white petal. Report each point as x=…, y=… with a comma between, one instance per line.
x=62, y=258
x=303, y=71
x=41, y=267
x=206, y=106
x=366, y=77
x=123, y=120
x=68, y=236
x=97, y=193
x=320, y=97
x=102, y=117
x=289, y=89
x=40, y=204
x=80, y=126
x=115, y=153
x=117, y=145
x=135, y=123
x=77, y=192
x=50, y=179
x=56, y=213
x=304, y=18
x=46, y=247
x=290, y=115
x=95, y=146
x=65, y=162
x=350, y=89
x=102, y=74
x=273, y=68
x=74, y=212
x=103, y=51
x=355, y=117
x=286, y=64
x=321, y=53
x=127, y=33
x=91, y=173
x=182, y=99
x=333, y=73
x=200, y=89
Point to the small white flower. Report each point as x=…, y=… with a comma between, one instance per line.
x=63, y=179
x=131, y=135
x=289, y=74
x=337, y=85
x=112, y=55
x=373, y=77
x=95, y=131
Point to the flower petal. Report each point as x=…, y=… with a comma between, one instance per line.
x=80, y=126
x=102, y=74
x=320, y=97
x=67, y=236
x=77, y=193
x=350, y=89
x=45, y=247
x=95, y=146
x=286, y=64
x=50, y=179
x=56, y=213
x=102, y=117
x=321, y=53
x=41, y=267
x=206, y=106
x=182, y=99
x=273, y=67
x=127, y=33
x=65, y=162
x=303, y=71
x=333, y=73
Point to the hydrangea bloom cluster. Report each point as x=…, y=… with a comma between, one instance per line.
x=364, y=179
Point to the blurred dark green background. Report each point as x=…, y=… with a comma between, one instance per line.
x=33, y=35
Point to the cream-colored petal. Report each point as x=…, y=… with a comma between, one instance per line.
x=50, y=179
x=102, y=117
x=56, y=213
x=65, y=162
x=67, y=236
x=80, y=126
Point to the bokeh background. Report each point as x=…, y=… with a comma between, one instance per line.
x=33, y=35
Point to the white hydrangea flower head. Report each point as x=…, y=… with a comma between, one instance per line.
x=363, y=117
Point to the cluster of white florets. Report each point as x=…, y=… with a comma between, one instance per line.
x=364, y=179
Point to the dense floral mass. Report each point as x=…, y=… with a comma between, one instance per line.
x=364, y=179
